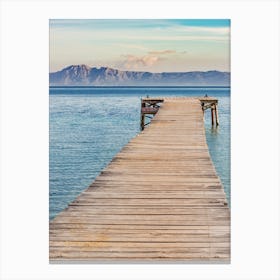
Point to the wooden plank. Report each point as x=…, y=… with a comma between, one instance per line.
x=142, y=245
x=165, y=228
x=151, y=201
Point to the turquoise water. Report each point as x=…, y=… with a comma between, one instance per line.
x=88, y=126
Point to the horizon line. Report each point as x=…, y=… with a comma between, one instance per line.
x=147, y=86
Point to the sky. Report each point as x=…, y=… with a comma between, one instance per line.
x=159, y=45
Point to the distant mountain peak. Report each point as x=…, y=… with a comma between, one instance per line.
x=85, y=75
x=82, y=66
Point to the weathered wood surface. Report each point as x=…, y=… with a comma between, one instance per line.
x=159, y=199
x=148, y=110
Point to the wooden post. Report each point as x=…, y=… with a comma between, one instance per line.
x=202, y=107
x=216, y=114
x=212, y=115
x=142, y=125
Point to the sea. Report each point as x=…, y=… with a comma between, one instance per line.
x=88, y=126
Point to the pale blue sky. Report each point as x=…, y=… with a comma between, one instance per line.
x=163, y=45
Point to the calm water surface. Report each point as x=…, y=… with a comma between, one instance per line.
x=88, y=126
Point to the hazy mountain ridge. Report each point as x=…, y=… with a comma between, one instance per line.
x=84, y=75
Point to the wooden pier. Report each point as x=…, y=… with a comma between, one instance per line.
x=159, y=198
x=150, y=106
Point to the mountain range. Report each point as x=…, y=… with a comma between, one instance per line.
x=83, y=75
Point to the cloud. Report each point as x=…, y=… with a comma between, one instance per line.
x=134, y=62
x=148, y=60
x=161, y=52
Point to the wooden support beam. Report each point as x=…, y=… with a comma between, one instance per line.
x=149, y=110
x=216, y=115
x=142, y=120
x=149, y=106
x=212, y=115
x=210, y=103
